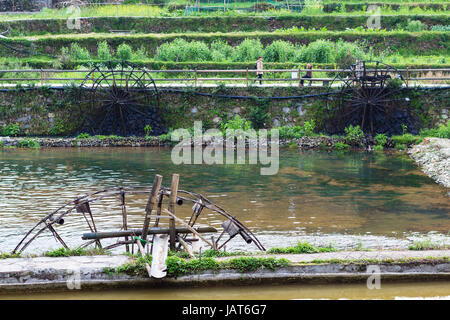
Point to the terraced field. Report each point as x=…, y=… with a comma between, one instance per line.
x=325, y=33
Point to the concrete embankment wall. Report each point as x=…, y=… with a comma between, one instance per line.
x=48, y=112
x=18, y=274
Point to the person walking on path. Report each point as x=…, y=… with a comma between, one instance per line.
x=259, y=69
x=308, y=75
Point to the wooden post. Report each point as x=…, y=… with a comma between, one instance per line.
x=299, y=78
x=407, y=75
x=195, y=84
x=172, y=205
x=42, y=77
x=151, y=202
x=247, y=77
x=124, y=218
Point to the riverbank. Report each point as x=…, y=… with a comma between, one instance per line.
x=433, y=156
x=95, y=272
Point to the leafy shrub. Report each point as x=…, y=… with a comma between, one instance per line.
x=415, y=26
x=346, y=53
x=309, y=127
x=221, y=51
x=319, y=51
x=248, y=50
x=11, y=129
x=378, y=147
x=341, y=146
x=103, y=51
x=381, y=139
x=78, y=53
x=181, y=50
x=294, y=132
x=353, y=134
x=440, y=28
x=124, y=52
x=443, y=131
x=236, y=123
x=279, y=51
x=147, y=130
x=1, y=144
x=28, y=143
x=83, y=136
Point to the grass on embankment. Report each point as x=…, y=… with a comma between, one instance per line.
x=28, y=27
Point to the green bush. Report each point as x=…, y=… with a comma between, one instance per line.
x=124, y=52
x=381, y=139
x=440, y=28
x=104, y=52
x=443, y=131
x=181, y=50
x=11, y=130
x=309, y=127
x=78, y=53
x=279, y=51
x=84, y=136
x=415, y=26
x=236, y=123
x=341, y=146
x=248, y=50
x=378, y=147
x=353, y=134
x=28, y=143
x=221, y=51
x=319, y=51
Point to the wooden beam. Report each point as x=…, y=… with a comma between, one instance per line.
x=172, y=205
x=151, y=202
x=190, y=228
x=138, y=232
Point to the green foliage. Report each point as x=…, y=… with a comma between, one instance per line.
x=1, y=144
x=83, y=136
x=103, y=51
x=428, y=245
x=279, y=51
x=320, y=51
x=135, y=268
x=221, y=51
x=78, y=53
x=406, y=139
x=248, y=50
x=5, y=255
x=380, y=139
x=10, y=130
x=341, y=146
x=378, y=148
x=354, y=135
x=309, y=127
x=301, y=247
x=236, y=123
x=415, y=26
x=443, y=131
x=63, y=252
x=147, y=130
x=249, y=264
x=440, y=28
x=28, y=143
x=177, y=266
x=57, y=128
x=124, y=52
x=294, y=132
x=182, y=50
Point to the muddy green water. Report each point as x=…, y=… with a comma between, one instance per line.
x=373, y=200
x=427, y=290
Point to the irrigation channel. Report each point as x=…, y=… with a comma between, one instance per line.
x=347, y=200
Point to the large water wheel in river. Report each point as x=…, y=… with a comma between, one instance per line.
x=371, y=97
x=122, y=99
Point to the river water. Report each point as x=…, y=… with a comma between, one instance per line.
x=387, y=291
x=353, y=199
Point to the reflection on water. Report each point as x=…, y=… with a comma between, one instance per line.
x=337, y=196
x=417, y=290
